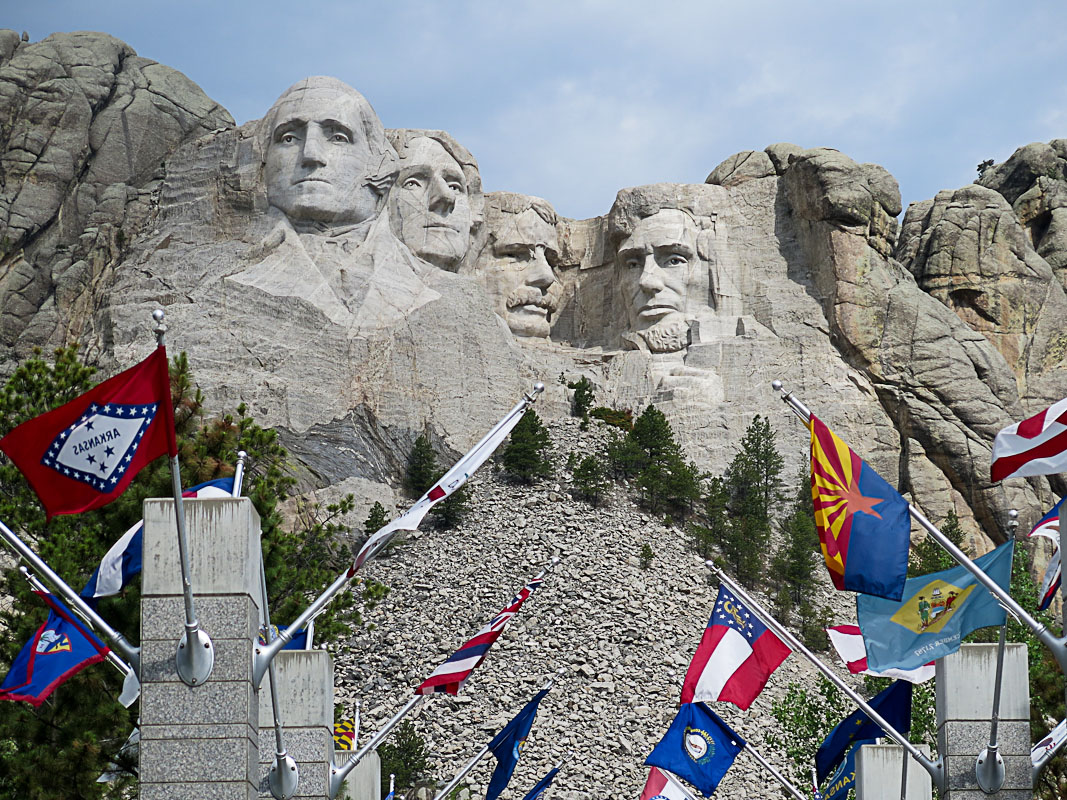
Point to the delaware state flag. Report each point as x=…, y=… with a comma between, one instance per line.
x=84, y=454
x=863, y=523
x=736, y=656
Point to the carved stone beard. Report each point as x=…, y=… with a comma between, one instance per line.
x=666, y=337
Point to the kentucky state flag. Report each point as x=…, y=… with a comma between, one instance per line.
x=937, y=611
x=508, y=744
x=863, y=522
x=698, y=746
x=736, y=656
x=84, y=454
x=894, y=706
x=60, y=649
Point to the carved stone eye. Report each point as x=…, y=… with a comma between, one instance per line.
x=341, y=138
x=288, y=138
x=676, y=260
x=412, y=183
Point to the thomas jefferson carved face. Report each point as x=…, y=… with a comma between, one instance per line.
x=318, y=155
x=429, y=204
x=662, y=278
x=516, y=270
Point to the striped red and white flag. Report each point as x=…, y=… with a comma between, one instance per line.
x=450, y=676
x=1035, y=446
x=848, y=642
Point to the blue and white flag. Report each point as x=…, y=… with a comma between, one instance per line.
x=698, y=746
x=844, y=777
x=893, y=704
x=937, y=611
x=508, y=744
x=122, y=563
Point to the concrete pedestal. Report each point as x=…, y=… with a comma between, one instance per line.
x=878, y=772
x=305, y=705
x=364, y=782
x=965, y=683
x=203, y=741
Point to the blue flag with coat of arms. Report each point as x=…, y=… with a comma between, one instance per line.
x=507, y=745
x=698, y=746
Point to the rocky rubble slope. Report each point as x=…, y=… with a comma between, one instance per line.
x=623, y=635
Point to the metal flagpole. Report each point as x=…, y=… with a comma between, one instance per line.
x=936, y=769
x=1050, y=752
x=789, y=787
x=1058, y=645
x=339, y=773
x=195, y=656
x=904, y=777
x=239, y=473
x=392, y=783
x=357, y=719
x=478, y=756
x=117, y=640
x=284, y=775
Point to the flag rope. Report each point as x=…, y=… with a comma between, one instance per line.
x=936, y=769
x=1057, y=645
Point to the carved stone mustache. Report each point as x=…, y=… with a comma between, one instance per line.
x=532, y=296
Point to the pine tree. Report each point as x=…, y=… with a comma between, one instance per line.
x=589, y=479
x=526, y=454
x=422, y=467
x=376, y=519
x=406, y=756
x=928, y=556
x=793, y=567
x=583, y=397
x=451, y=511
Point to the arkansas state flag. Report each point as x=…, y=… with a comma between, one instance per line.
x=60, y=649
x=863, y=522
x=84, y=454
x=1035, y=446
x=736, y=656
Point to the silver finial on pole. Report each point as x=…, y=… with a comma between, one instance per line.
x=161, y=327
x=239, y=473
x=531, y=396
x=776, y=385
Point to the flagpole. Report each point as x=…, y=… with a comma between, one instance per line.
x=118, y=641
x=339, y=773
x=989, y=766
x=793, y=790
x=936, y=769
x=357, y=719
x=1048, y=755
x=195, y=656
x=264, y=655
x=478, y=756
x=239, y=473
x=1058, y=645
x=284, y=775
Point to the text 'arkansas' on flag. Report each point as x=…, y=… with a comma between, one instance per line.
x=863, y=522
x=936, y=612
x=61, y=648
x=84, y=454
x=1035, y=446
x=736, y=656
x=450, y=676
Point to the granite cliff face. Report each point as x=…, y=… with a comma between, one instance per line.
x=355, y=287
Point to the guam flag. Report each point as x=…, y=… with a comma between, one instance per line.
x=863, y=523
x=84, y=454
x=60, y=649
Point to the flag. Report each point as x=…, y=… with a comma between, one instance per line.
x=736, y=656
x=1051, y=743
x=458, y=475
x=392, y=791
x=84, y=454
x=937, y=611
x=844, y=777
x=1035, y=446
x=698, y=746
x=61, y=648
x=1050, y=584
x=848, y=642
x=542, y=784
x=298, y=642
x=508, y=744
x=661, y=786
x=892, y=703
x=344, y=734
x=451, y=675
x=863, y=523
x=1049, y=525
x=122, y=563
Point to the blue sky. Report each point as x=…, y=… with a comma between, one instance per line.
x=574, y=99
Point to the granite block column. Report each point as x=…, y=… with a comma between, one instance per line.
x=203, y=741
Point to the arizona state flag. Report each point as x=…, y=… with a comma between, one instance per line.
x=84, y=454
x=863, y=523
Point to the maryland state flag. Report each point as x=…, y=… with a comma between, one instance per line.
x=84, y=454
x=344, y=734
x=863, y=523
x=60, y=649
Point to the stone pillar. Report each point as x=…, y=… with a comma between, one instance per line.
x=364, y=782
x=200, y=742
x=965, y=682
x=879, y=769
x=304, y=680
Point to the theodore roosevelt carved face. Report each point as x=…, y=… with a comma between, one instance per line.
x=324, y=147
